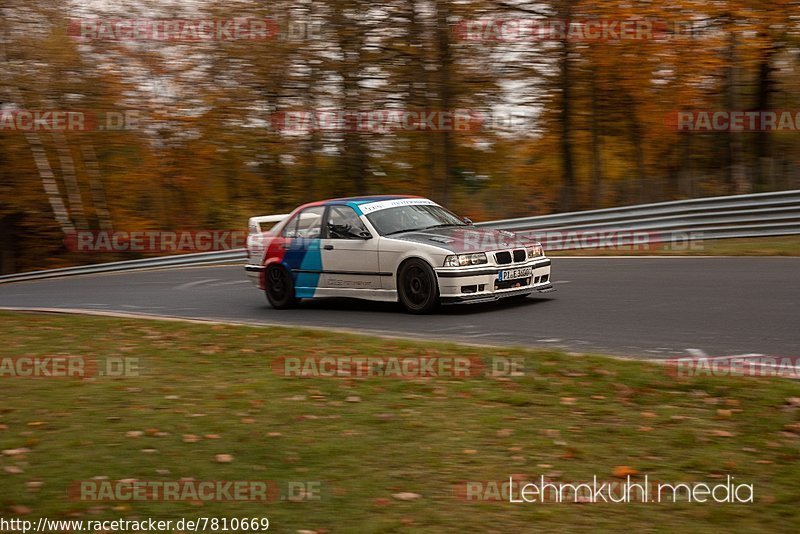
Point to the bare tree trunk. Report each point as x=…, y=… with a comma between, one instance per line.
x=354, y=158
x=763, y=177
x=735, y=174
x=49, y=183
x=445, y=91
x=643, y=193
x=597, y=170
x=565, y=66
x=96, y=185
x=71, y=185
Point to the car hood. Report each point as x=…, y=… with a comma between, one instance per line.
x=464, y=239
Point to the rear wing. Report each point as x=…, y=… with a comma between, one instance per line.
x=258, y=225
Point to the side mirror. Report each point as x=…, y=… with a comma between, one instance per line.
x=468, y=221
x=363, y=234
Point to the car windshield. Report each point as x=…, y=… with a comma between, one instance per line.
x=411, y=218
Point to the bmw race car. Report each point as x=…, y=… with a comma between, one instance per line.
x=390, y=248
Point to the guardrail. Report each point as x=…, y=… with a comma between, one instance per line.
x=757, y=215
x=717, y=218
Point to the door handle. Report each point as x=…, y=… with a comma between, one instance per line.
x=328, y=247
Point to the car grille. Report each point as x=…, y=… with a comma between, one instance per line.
x=505, y=257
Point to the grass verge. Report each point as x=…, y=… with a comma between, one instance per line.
x=204, y=391
x=762, y=246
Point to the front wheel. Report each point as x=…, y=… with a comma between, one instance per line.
x=417, y=287
x=280, y=288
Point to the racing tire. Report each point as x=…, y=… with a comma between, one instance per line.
x=417, y=287
x=280, y=288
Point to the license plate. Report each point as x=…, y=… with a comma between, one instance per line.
x=513, y=274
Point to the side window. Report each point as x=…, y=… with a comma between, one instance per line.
x=290, y=230
x=309, y=223
x=343, y=223
x=306, y=224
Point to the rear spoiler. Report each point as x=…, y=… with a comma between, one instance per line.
x=257, y=225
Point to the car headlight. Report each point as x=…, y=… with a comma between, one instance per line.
x=463, y=260
x=535, y=251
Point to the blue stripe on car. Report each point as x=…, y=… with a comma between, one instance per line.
x=305, y=255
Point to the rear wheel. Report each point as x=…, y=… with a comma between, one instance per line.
x=280, y=288
x=417, y=287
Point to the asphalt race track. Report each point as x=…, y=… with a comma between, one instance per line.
x=643, y=307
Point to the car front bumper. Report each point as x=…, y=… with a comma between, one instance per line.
x=482, y=283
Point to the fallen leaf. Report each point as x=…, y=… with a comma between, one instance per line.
x=353, y=398
x=134, y=434
x=16, y=452
x=223, y=458
x=722, y=433
x=248, y=421
x=568, y=400
x=190, y=438
x=623, y=471
x=504, y=432
x=13, y=470
x=406, y=496
x=649, y=415
x=470, y=451
x=20, y=509
x=212, y=436
x=724, y=413
x=793, y=427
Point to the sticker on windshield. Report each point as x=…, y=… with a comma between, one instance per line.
x=386, y=204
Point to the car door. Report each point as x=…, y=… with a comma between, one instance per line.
x=302, y=250
x=349, y=252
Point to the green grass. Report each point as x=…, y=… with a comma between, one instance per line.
x=763, y=246
x=403, y=435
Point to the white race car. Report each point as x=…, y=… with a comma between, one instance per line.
x=391, y=248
